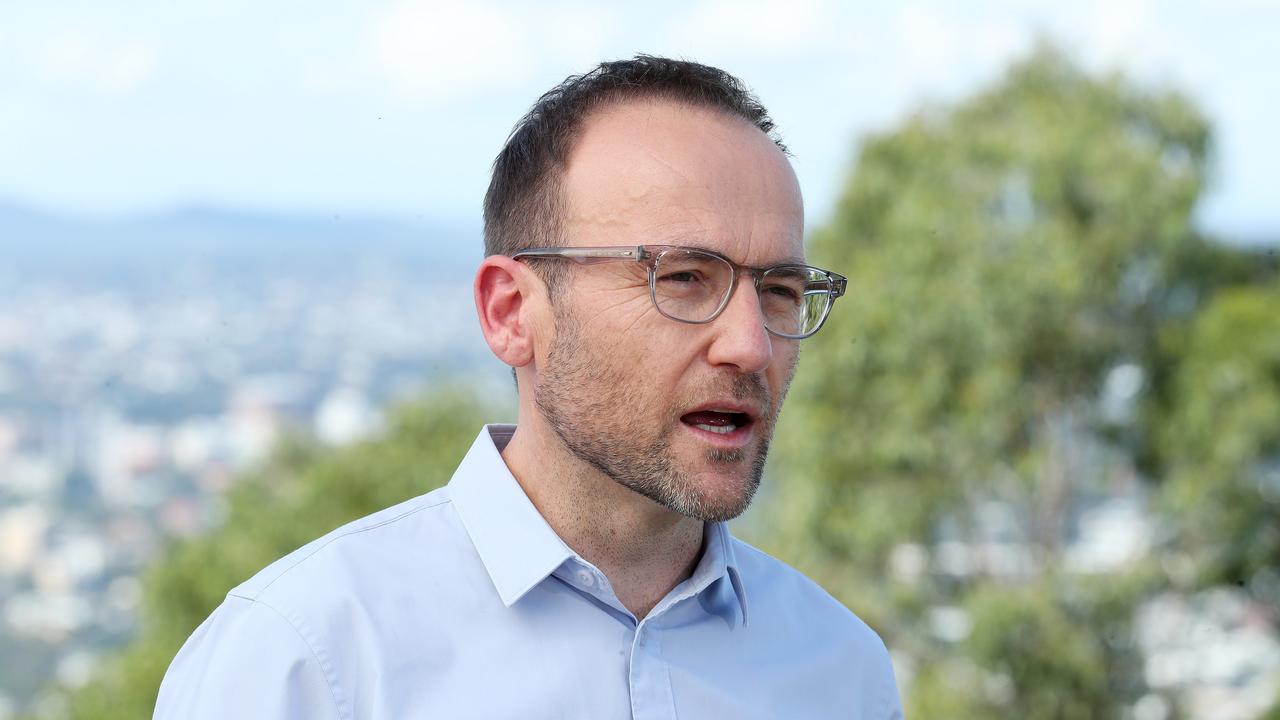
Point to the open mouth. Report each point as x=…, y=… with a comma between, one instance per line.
x=720, y=422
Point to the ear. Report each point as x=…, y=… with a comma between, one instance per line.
x=502, y=288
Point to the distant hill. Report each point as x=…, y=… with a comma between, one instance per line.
x=35, y=241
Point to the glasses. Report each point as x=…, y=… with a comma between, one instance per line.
x=694, y=286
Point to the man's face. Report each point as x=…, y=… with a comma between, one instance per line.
x=643, y=398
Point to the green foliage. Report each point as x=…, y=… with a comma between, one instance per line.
x=1222, y=439
x=1004, y=256
x=303, y=492
x=1025, y=650
x=998, y=255
x=1197, y=273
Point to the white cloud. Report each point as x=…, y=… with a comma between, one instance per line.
x=130, y=66
x=439, y=49
x=768, y=27
x=575, y=35
x=1124, y=33
x=1000, y=40
x=928, y=51
x=86, y=60
x=930, y=40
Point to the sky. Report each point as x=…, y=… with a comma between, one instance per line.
x=398, y=107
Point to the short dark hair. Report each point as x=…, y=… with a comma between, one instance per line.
x=523, y=206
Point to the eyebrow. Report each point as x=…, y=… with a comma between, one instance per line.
x=788, y=260
x=689, y=241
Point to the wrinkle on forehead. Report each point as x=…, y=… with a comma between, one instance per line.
x=658, y=160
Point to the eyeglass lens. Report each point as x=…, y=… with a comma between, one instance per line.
x=691, y=286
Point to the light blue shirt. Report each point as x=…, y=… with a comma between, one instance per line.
x=464, y=603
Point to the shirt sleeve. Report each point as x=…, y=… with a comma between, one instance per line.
x=246, y=661
x=892, y=704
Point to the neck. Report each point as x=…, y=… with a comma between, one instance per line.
x=643, y=548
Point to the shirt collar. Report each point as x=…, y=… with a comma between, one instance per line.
x=718, y=563
x=519, y=549
x=517, y=546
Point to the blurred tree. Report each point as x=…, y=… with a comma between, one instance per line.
x=1222, y=443
x=302, y=493
x=1196, y=273
x=1007, y=257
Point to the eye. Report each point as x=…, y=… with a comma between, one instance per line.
x=681, y=276
x=783, y=291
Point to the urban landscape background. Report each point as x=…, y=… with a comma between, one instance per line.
x=1037, y=446
x=135, y=388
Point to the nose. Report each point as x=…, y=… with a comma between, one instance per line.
x=740, y=338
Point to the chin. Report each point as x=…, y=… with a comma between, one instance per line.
x=721, y=495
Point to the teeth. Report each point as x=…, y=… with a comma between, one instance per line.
x=719, y=429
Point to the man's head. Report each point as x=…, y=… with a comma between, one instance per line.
x=524, y=205
x=643, y=152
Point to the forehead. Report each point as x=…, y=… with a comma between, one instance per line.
x=659, y=172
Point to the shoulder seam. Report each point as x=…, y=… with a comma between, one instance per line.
x=337, y=537
x=325, y=668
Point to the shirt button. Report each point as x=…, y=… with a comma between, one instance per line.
x=586, y=578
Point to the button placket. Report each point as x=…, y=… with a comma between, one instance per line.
x=651, y=696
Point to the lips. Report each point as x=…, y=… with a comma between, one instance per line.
x=715, y=421
x=722, y=419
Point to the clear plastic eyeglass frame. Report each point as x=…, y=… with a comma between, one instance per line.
x=651, y=257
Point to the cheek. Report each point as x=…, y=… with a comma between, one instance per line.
x=786, y=356
x=661, y=364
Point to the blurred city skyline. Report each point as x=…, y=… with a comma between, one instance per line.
x=398, y=107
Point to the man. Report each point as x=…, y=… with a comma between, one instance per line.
x=645, y=279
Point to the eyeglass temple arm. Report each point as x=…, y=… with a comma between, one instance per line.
x=586, y=256
x=838, y=283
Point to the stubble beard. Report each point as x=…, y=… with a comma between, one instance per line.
x=584, y=400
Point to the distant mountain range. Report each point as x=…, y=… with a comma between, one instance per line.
x=35, y=241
